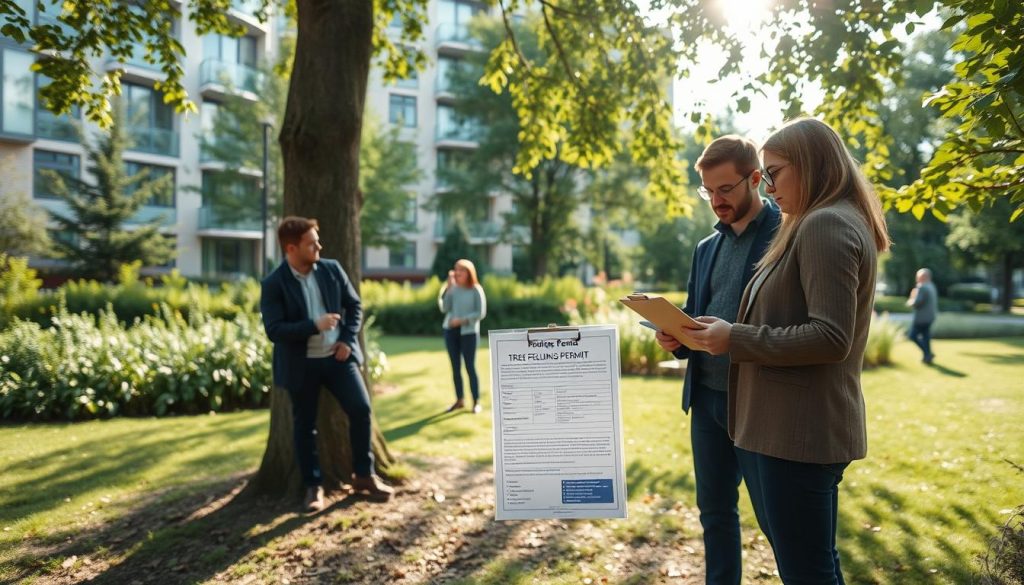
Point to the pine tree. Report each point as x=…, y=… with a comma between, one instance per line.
x=98, y=211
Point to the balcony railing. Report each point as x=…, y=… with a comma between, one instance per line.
x=449, y=33
x=138, y=58
x=55, y=127
x=154, y=140
x=246, y=7
x=233, y=75
x=212, y=218
x=466, y=132
x=168, y=216
x=484, y=230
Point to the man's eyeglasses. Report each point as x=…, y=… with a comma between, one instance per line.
x=769, y=179
x=706, y=193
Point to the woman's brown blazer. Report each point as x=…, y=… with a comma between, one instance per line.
x=797, y=346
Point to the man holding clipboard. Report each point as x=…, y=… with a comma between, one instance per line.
x=723, y=264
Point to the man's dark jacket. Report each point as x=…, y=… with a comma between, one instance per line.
x=699, y=286
x=286, y=318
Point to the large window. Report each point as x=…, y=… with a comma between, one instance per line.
x=445, y=68
x=229, y=258
x=50, y=125
x=241, y=50
x=65, y=165
x=162, y=197
x=454, y=17
x=150, y=121
x=451, y=126
x=404, y=256
x=402, y=110
x=18, y=92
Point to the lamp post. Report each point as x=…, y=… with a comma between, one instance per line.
x=266, y=191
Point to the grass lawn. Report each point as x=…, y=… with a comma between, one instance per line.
x=934, y=487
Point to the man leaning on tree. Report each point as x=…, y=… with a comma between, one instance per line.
x=312, y=314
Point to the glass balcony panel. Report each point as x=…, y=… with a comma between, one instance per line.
x=55, y=127
x=154, y=140
x=212, y=218
x=233, y=75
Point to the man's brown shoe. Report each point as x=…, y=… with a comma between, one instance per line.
x=372, y=486
x=314, y=500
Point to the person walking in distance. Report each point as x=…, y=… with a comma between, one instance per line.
x=924, y=300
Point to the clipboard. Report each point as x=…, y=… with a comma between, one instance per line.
x=661, y=312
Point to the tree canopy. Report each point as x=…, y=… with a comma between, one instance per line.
x=609, y=66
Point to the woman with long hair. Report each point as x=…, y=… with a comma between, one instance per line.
x=464, y=304
x=796, y=410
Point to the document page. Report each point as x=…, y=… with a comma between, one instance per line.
x=557, y=424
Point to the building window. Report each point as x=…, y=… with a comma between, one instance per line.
x=451, y=126
x=229, y=258
x=65, y=165
x=411, y=210
x=50, y=125
x=242, y=50
x=453, y=19
x=402, y=110
x=446, y=67
x=161, y=198
x=404, y=256
x=18, y=92
x=149, y=120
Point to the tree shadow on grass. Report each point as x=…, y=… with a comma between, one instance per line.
x=947, y=371
x=91, y=464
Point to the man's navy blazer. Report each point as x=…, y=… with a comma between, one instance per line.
x=699, y=285
x=286, y=318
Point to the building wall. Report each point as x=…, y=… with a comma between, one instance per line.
x=183, y=219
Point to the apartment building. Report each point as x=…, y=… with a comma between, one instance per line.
x=209, y=242
x=423, y=108
x=212, y=242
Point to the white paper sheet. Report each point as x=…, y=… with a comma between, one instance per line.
x=557, y=424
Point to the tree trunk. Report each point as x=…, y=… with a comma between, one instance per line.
x=1006, y=302
x=320, y=147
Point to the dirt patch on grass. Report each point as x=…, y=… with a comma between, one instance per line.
x=439, y=528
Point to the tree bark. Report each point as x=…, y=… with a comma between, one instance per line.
x=320, y=146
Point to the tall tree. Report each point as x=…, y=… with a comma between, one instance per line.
x=455, y=247
x=99, y=210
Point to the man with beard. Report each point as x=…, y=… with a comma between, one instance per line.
x=723, y=264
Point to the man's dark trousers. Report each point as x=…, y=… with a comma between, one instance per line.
x=718, y=478
x=921, y=334
x=344, y=382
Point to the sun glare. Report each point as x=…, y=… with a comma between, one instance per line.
x=744, y=17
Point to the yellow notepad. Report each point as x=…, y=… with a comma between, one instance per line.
x=662, y=313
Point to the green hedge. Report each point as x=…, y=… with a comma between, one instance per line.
x=91, y=367
x=131, y=299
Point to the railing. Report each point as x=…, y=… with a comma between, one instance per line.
x=457, y=34
x=232, y=75
x=246, y=7
x=465, y=132
x=138, y=58
x=477, y=229
x=154, y=140
x=55, y=127
x=212, y=218
x=168, y=216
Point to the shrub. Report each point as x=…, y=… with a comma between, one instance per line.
x=972, y=292
x=18, y=284
x=882, y=337
x=131, y=299
x=88, y=367
x=639, y=352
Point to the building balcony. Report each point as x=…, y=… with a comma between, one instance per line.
x=153, y=140
x=16, y=127
x=484, y=230
x=135, y=67
x=53, y=127
x=456, y=135
x=244, y=12
x=214, y=221
x=168, y=216
x=454, y=39
x=218, y=79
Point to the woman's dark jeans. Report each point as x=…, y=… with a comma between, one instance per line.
x=463, y=347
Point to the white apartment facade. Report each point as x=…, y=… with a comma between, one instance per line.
x=209, y=244
x=423, y=108
x=215, y=245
